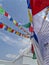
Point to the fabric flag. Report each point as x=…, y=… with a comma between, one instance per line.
x=34, y=56
x=30, y=15
x=38, y=5
x=32, y=48
x=9, y=29
x=1, y=25
x=27, y=25
x=35, y=38
x=28, y=2
x=31, y=29
x=2, y=10
x=5, y=27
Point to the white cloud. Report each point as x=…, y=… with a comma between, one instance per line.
x=2, y=64
x=11, y=56
x=14, y=41
x=26, y=41
x=0, y=4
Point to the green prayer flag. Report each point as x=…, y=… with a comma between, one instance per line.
x=27, y=25
x=2, y=11
x=34, y=56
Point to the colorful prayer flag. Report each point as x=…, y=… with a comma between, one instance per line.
x=30, y=15
x=27, y=25
x=2, y=10
x=28, y=2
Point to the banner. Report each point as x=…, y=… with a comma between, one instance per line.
x=38, y=5
x=41, y=28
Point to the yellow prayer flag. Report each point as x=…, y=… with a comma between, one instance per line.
x=14, y=21
x=30, y=15
x=9, y=29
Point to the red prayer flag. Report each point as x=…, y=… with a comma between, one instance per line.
x=16, y=24
x=6, y=14
x=32, y=48
x=1, y=25
x=38, y=5
x=31, y=29
x=12, y=31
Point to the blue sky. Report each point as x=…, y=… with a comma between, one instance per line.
x=11, y=44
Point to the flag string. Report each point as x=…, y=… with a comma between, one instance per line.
x=3, y=12
x=9, y=29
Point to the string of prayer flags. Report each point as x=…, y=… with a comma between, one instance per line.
x=17, y=24
x=11, y=19
x=5, y=27
x=31, y=28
